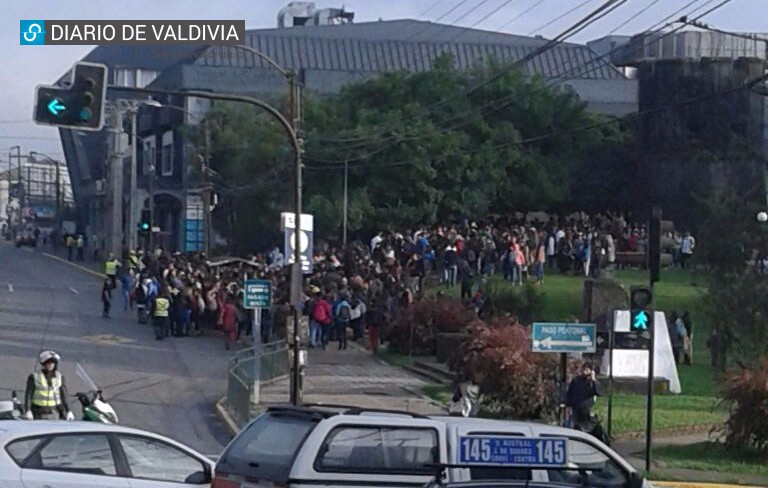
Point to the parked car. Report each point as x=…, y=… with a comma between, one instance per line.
x=341, y=447
x=79, y=454
x=26, y=238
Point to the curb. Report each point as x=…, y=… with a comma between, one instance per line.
x=225, y=417
x=76, y=266
x=676, y=484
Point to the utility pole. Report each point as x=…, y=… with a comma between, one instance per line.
x=115, y=181
x=59, y=204
x=133, y=208
x=346, y=202
x=297, y=278
x=207, y=191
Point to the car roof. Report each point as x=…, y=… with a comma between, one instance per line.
x=12, y=429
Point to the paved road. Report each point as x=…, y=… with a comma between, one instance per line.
x=166, y=386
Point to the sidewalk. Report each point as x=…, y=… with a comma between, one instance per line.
x=355, y=377
x=633, y=450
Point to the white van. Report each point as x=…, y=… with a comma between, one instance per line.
x=307, y=447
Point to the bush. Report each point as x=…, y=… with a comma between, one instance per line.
x=415, y=329
x=747, y=393
x=514, y=382
x=501, y=298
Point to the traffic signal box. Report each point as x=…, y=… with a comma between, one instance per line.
x=77, y=106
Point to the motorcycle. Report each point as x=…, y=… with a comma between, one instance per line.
x=95, y=407
x=11, y=409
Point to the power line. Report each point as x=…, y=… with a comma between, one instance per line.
x=521, y=14
x=505, y=100
x=638, y=14
x=564, y=14
x=471, y=10
x=595, y=15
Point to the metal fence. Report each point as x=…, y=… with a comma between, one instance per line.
x=273, y=366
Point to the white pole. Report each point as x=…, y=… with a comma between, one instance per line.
x=257, y=349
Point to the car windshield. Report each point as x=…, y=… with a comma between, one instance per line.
x=267, y=447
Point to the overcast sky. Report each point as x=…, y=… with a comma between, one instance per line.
x=26, y=66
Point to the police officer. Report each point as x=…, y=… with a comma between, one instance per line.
x=161, y=307
x=110, y=269
x=46, y=395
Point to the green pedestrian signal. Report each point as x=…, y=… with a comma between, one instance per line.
x=640, y=309
x=639, y=321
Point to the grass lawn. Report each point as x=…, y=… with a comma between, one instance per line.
x=439, y=393
x=712, y=457
x=669, y=412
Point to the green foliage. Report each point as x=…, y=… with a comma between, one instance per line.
x=526, y=302
x=514, y=382
x=414, y=330
x=747, y=393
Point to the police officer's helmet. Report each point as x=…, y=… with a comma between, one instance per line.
x=49, y=355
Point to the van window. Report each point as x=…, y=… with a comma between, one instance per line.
x=267, y=447
x=601, y=470
x=378, y=450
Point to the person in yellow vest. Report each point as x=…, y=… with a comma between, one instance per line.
x=111, y=268
x=46, y=395
x=133, y=261
x=161, y=308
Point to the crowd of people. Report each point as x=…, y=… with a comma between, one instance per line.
x=362, y=286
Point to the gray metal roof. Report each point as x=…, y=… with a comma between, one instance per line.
x=407, y=45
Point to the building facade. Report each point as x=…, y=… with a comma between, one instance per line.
x=327, y=51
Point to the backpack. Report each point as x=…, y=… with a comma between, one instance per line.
x=309, y=308
x=344, y=313
x=319, y=314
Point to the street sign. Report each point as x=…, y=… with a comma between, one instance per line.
x=546, y=337
x=257, y=294
x=305, y=240
x=514, y=451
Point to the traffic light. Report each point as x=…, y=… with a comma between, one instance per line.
x=145, y=223
x=640, y=309
x=77, y=106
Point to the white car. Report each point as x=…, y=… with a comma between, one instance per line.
x=53, y=454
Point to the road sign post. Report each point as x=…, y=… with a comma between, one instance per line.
x=256, y=297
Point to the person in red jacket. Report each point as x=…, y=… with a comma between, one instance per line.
x=322, y=315
x=228, y=322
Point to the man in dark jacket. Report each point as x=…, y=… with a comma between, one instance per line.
x=581, y=397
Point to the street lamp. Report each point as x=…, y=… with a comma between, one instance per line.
x=762, y=217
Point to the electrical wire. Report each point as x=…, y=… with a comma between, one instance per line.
x=633, y=17
x=564, y=14
x=521, y=14
x=605, y=56
x=595, y=15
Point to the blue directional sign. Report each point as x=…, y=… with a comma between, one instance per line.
x=257, y=294
x=513, y=451
x=575, y=338
x=639, y=321
x=55, y=107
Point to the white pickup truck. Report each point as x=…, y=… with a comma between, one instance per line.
x=347, y=447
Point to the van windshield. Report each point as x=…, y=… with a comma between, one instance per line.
x=267, y=448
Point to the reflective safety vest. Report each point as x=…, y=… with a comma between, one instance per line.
x=111, y=268
x=161, y=307
x=133, y=262
x=47, y=395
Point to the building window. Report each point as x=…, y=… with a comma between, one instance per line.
x=167, y=154
x=134, y=77
x=149, y=153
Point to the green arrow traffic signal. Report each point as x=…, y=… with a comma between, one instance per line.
x=55, y=107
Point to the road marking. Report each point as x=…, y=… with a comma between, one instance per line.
x=10, y=287
x=77, y=266
x=72, y=289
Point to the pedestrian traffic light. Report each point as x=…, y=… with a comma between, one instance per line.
x=145, y=224
x=640, y=309
x=80, y=105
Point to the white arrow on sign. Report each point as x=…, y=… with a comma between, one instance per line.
x=548, y=343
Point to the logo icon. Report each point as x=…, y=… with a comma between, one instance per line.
x=32, y=32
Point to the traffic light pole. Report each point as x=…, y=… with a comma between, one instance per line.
x=651, y=385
